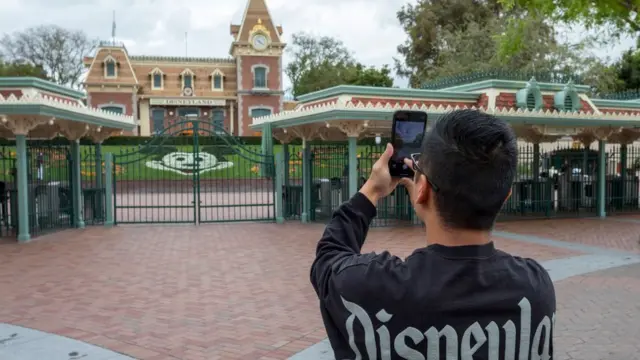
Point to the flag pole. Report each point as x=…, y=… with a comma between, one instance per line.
x=113, y=29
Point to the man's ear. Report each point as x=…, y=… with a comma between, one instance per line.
x=423, y=190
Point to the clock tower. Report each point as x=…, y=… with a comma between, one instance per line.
x=257, y=49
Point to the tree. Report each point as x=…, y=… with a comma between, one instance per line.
x=612, y=18
x=440, y=30
x=322, y=62
x=620, y=15
x=447, y=38
x=21, y=69
x=57, y=50
x=628, y=70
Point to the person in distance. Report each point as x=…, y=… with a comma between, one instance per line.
x=456, y=298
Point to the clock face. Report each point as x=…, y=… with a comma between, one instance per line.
x=260, y=42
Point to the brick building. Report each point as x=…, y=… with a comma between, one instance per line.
x=157, y=90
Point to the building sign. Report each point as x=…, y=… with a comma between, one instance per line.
x=186, y=102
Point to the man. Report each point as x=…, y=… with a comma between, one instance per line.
x=456, y=298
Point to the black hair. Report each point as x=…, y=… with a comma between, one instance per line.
x=471, y=157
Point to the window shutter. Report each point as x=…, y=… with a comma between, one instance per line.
x=531, y=101
x=568, y=103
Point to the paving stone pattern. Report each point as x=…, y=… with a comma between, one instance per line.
x=223, y=291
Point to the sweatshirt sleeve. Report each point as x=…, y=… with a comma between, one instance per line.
x=341, y=241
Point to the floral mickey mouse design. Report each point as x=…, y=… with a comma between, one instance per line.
x=184, y=163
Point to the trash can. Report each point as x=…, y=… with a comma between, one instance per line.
x=589, y=192
x=324, y=197
x=292, y=197
x=336, y=193
x=93, y=204
x=48, y=198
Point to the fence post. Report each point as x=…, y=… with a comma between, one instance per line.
x=23, y=189
x=602, y=186
x=76, y=178
x=279, y=177
x=108, y=193
x=306, y=182
x=97, y=207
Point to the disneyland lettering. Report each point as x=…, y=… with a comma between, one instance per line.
x=186, y=102
x=458, y=346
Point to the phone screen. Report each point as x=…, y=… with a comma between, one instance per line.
x=407, y=134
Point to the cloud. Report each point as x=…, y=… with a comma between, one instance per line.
x=157, y=27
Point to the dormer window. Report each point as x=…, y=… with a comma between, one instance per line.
x=567, y=99
x=529, y=98
x=110, y=67
x=217, y=80
x=260, y=76
x=187, y=78
x=157, y=79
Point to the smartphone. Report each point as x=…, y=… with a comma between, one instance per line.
x=407, y=132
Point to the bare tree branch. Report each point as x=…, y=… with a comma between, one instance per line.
x=57, y=50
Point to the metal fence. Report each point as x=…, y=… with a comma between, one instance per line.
x=50, y=188
x=557, y=181
x=193, y=174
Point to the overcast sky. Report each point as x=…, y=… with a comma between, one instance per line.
x=157, y=27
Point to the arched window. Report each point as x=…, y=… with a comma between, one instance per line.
x=217, y=80
x=110, y=67
x=260, y=76
x=187, y=78
x=157, y=79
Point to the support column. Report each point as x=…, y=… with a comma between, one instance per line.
x=602, y=163
x=353, y=130
x=353, y=166
x=266, y=170
x=23, y=189
x=145, y=119
x=76, y=179
x=108, y=181
x=306, y=181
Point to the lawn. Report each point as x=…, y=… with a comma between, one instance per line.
x=176, y=162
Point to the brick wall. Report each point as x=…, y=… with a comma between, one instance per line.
x=249, y=101
x=273, y=76
x=105, y=98
x=483, y=101
x=506, y=100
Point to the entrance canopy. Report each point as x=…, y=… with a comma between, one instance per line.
x=41, y=109
x=537, y=112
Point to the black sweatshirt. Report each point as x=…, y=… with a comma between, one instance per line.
x=465, y=302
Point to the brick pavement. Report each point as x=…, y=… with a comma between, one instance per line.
x=607, y=233
x=599, y=316
x=225, y=291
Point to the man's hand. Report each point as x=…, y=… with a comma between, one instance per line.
x=380, y=182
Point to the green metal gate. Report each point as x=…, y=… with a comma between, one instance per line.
x=193, y=172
